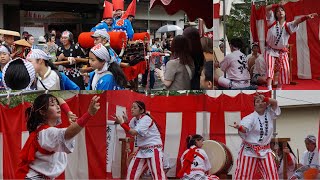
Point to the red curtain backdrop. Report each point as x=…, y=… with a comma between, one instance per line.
x=12, y=122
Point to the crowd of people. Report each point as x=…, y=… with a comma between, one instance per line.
x=59, y=63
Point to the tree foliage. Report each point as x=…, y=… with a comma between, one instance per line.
x=238, y=23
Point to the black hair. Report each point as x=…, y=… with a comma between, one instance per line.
x=117, y=72
x=14, y=80
x=237, y=43
x=191, y=140
x=208, y=71
x=49, y=63
x=288, y=146
x=6, y=46
x=181, y=49
x=142, y=106
x=35, y=114
x=196, y=49
x=28, y=37
x=275, y=12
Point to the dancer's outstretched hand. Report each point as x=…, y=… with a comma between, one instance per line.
x=313, y=15
x=283, y=2
x=72, y=117
x=235, y=125
x=94, y=105
x=118, y=119
x=125, y=117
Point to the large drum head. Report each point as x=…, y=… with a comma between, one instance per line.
x=217, y=155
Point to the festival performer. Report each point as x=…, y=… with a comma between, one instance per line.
x=70, y=50
x=107, y=20
x=291, y=159
x=257, y=66
x=279, y=31
x=102, y=36
x=48, y=76
x=107, y=75
x=4, y=59
x=195, y=162
x=44, y=155
x=131, y=11
x=121, y=24
x=256, y=131
x=311, y=155
x=148, y=139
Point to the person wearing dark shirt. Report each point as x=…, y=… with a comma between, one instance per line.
x=71, y=51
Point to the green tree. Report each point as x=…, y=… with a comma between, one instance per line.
x=238, y=23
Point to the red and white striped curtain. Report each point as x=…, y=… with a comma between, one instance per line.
x=88, y=161
x=180, y=116
x=177, y=117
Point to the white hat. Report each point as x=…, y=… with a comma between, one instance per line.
x=42, y=39
x=38, y=54
x=102, y=52
x=4, y=49
x=101, y=33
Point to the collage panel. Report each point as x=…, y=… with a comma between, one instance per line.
x=214, y=134
x=266, y=45
x=105, y=45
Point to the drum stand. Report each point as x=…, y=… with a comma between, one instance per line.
x=284, y=142
x=125, y=150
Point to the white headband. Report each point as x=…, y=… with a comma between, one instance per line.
x=29, y=67
x=3, y=49
x=38, y=54
x=102, y=52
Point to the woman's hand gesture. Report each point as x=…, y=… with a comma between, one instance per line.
x=94, y=105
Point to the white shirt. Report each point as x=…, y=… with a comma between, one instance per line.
x=290, y=169
x=51, y=81
x=312, y=157
x=272, y=34
x=252, y=124
x=236, y=66
x=198, y=162
x=259, y=66
x=52, y=139
x=148, y=135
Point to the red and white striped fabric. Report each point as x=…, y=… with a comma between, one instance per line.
x=306, y=49
x=86, y=162
x=180, y=116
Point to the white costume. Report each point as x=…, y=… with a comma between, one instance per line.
x=51, y=81
x=311, y=157
x=150, y=152
x=200, y=165
x=235, y=66
x=51, y=139
x=255, y=150
x=276, y=50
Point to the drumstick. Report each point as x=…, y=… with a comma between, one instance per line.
x=298, y=156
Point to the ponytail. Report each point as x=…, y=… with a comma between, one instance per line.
x=191, y=140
